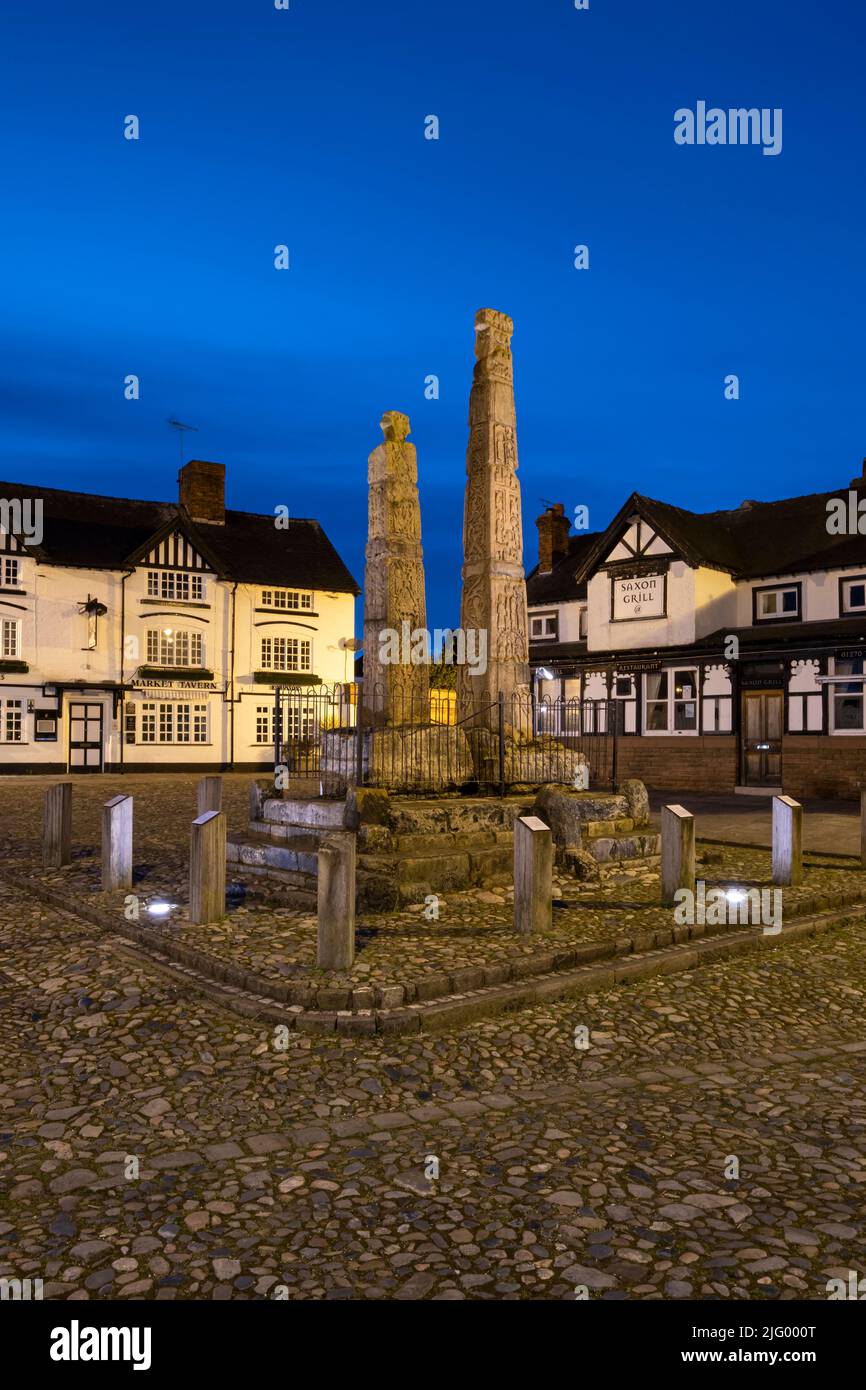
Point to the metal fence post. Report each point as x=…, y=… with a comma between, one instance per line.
x=359, y=733
x=278, y=728
x=501, y=709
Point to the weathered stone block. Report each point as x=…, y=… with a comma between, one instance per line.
x=637, y=797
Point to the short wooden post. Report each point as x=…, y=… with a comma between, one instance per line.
x=787, y=841
x=533, y=876
x=57, y=826
x=678, y=852
x=207, y=868
x=117, y=843
x=209, y=796
x=863, y=828
x=336, y=903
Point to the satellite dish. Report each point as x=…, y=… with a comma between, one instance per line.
x=350, y=644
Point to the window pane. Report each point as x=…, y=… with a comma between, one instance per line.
x=657, y=717
x=685, y=715
x=789, y=601
x=657, y=685
x=848, y=711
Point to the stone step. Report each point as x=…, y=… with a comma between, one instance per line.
x=312, y=814
x=409, y=878
x=596, y=829
x=450, y=840
x=633, y=845
x=278, y=832
x=299, y=856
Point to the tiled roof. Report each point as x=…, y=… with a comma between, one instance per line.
x=752, y=541
x=95, y=532
x=559, y=585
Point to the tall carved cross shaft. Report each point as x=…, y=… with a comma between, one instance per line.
x=494, y=592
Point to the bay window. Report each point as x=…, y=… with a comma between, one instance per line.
x=165, y=647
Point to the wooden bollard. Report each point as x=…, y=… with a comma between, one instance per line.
x=117, y=843
x=207, y=868
x=678, y=852
x=209, y=794
x=787, y=841
x=533, y=875
x=336, y=903
x=57, y=826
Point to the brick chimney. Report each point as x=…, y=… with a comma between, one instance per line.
x=553, y=528
x=201, y=489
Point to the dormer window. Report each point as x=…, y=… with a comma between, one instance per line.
x=175, y=585
x=287, y=599
x=779, y=604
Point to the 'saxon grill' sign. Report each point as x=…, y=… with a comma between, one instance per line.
x=640, y=596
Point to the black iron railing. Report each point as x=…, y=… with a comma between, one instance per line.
x=425, y=741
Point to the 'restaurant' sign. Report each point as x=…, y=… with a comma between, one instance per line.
x=640, y=596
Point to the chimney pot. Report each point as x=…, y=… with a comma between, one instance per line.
x=201, y=490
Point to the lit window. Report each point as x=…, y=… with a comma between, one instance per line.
x=671, y=704
x=165, y=647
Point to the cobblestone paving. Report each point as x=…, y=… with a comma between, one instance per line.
x=560, y=1169
x=397, y=948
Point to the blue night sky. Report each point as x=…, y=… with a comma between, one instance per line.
x=306, y=127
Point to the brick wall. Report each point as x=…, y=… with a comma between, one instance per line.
x=811, y=765
x=823, y=766
x=680, y=764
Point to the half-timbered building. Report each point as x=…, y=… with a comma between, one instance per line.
x=733, y=642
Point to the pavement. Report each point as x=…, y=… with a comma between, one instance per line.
x=829, y=827
x=697, y=1135
x=708, y=1142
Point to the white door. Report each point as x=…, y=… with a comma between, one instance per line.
x=85, y=736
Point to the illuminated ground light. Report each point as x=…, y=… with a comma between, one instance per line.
x=158, y=908
x=736, y=895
